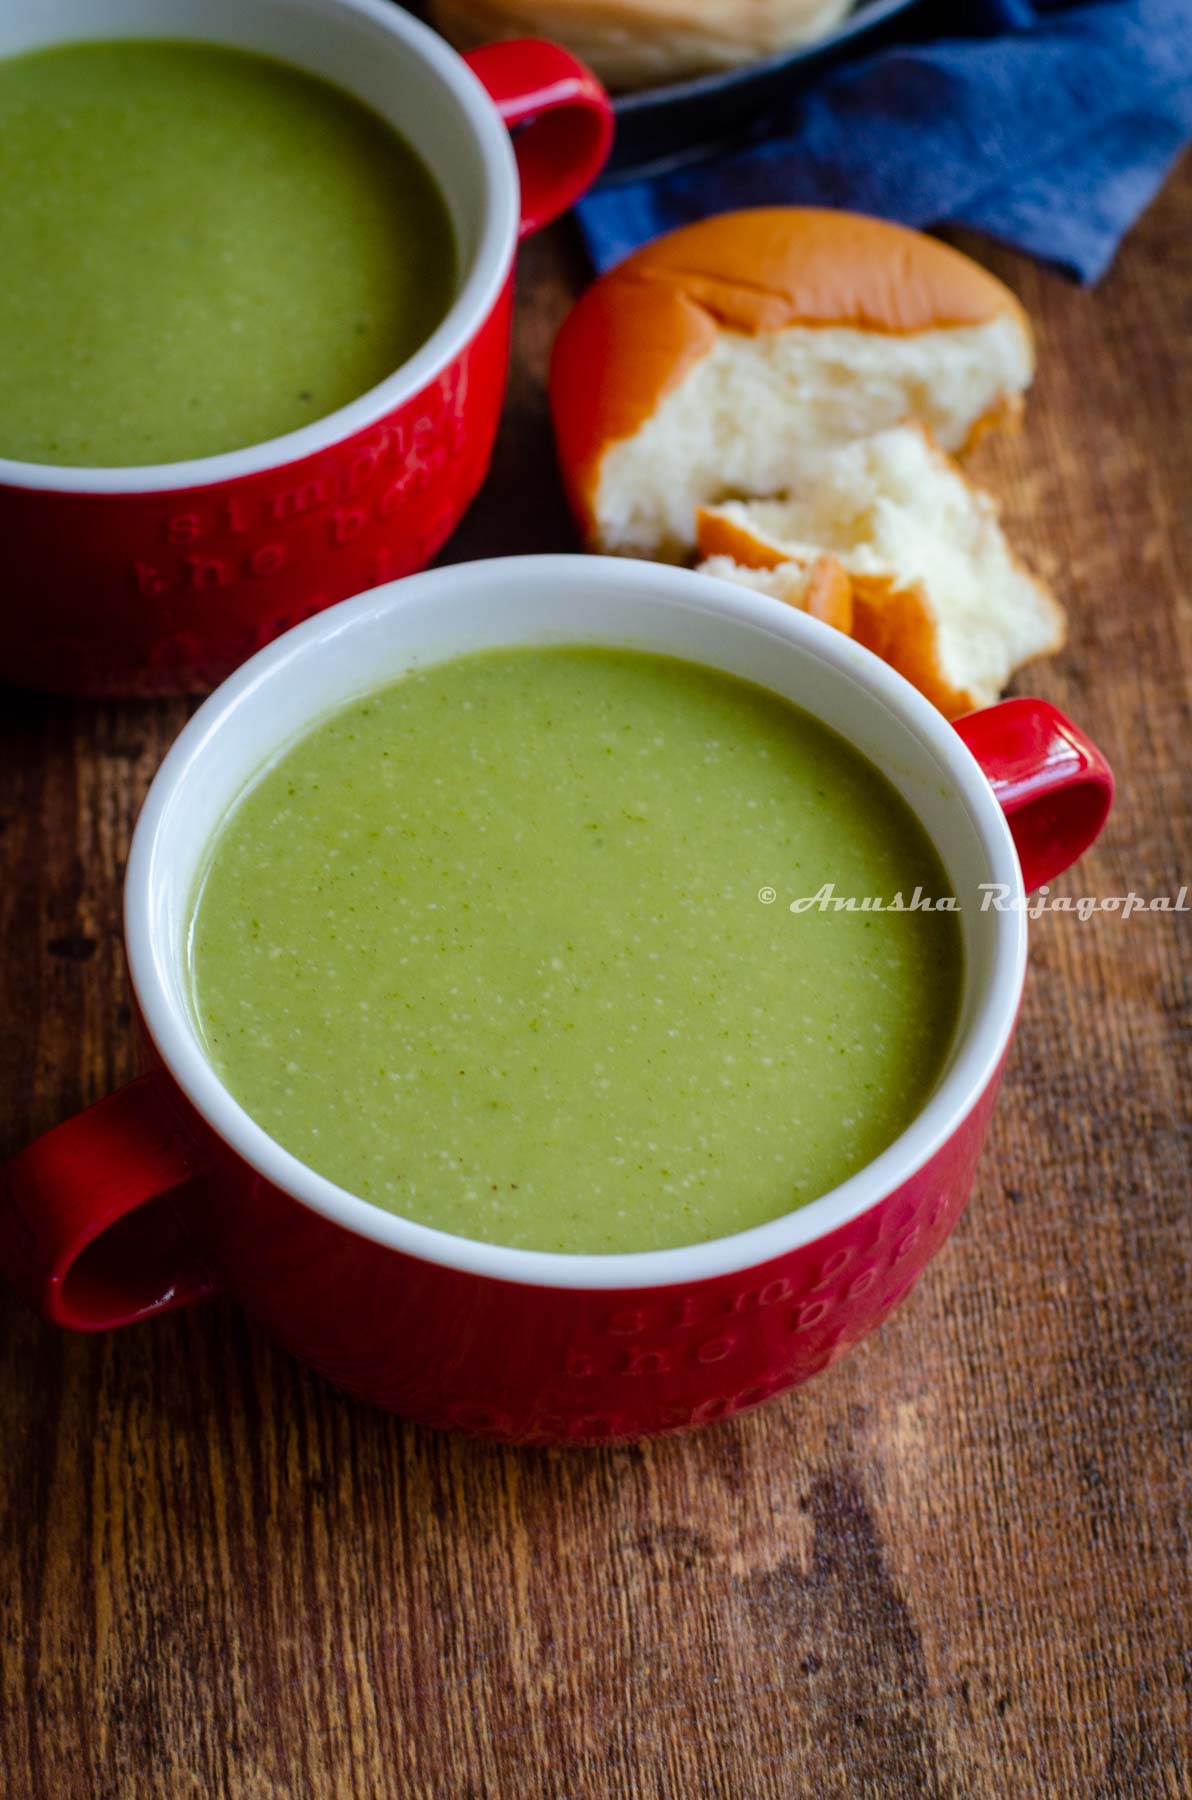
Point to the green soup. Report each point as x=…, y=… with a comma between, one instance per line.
x=199, y=250
x=492, y=949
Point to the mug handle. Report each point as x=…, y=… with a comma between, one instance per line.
x=565, y=115
x=1054, y=785
x=90, y=1234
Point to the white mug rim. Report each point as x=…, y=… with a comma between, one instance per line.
x=973, y=1067
x=478, y=294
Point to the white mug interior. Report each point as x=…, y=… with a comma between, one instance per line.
x=366, y=642
x=404, y=72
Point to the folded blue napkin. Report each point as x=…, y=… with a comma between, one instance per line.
x=1048, y=125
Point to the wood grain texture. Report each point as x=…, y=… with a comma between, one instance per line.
x=955, y=1565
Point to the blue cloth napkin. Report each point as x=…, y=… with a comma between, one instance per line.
x=1049, y=125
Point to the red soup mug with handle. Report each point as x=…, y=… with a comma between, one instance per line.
x=168, y=1191
x=159, y=580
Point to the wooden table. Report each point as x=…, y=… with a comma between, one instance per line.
x=952, y=1565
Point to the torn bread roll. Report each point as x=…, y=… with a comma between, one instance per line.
x=729, y=355
x=645, y=43
x=820, y=588
x=936, y=590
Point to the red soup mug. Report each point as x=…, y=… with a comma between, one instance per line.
x=168, y=1191
x=162, y=580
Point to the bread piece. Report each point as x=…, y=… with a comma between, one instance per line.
x=727, y=356
x=820, y=588
x=936, y=589
x=645, y=43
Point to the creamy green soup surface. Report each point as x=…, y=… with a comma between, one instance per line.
x=487, y=949
x=200, y=249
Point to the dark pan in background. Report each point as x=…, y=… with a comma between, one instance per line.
x=661, y=127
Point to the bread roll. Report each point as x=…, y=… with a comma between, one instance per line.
x=645, y=43
x=726, y=356
x=936, y=589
